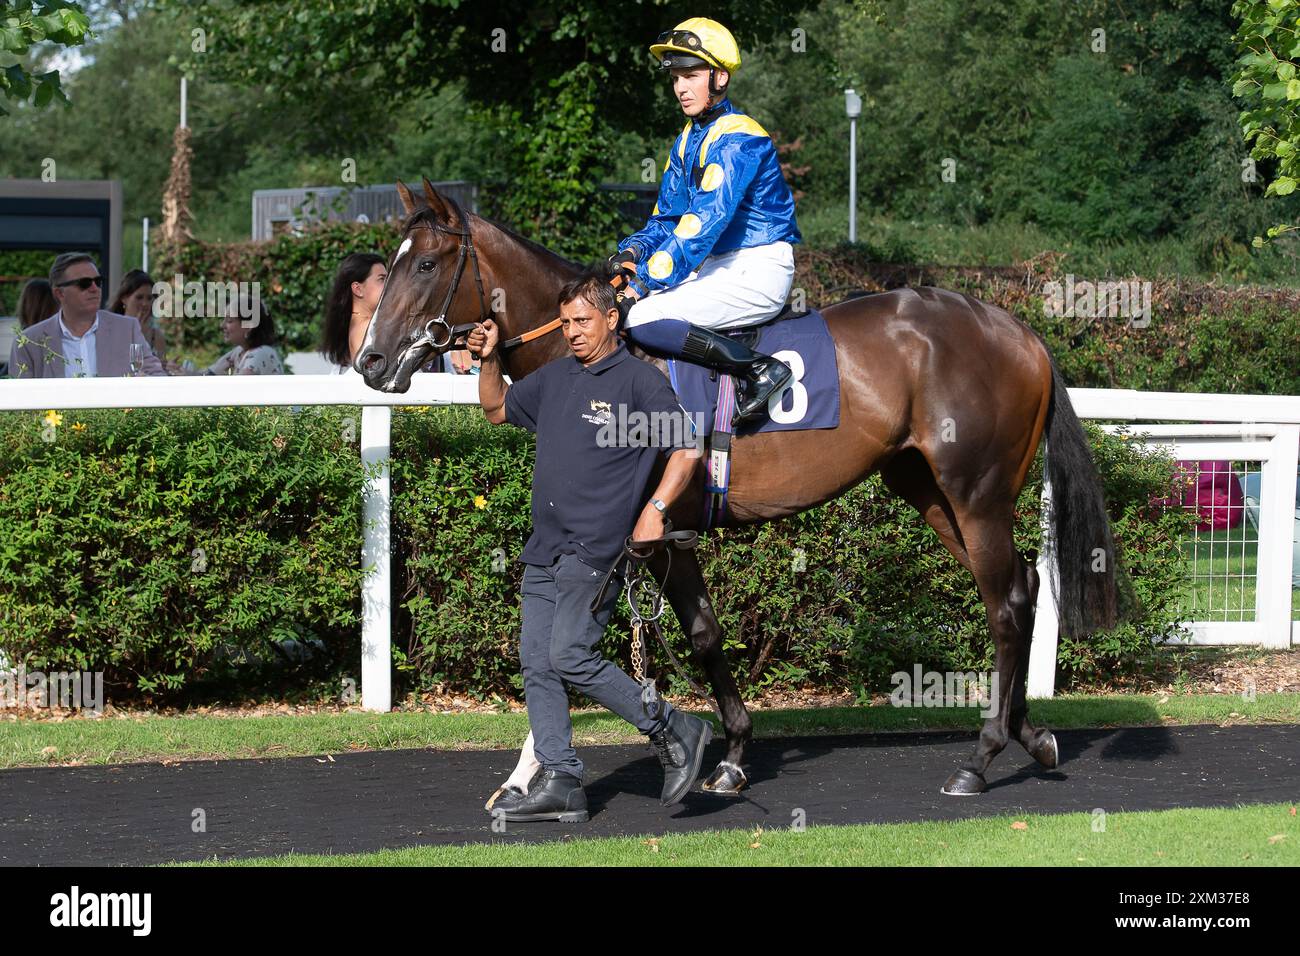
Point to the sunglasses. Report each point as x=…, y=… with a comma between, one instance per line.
x=83, y=284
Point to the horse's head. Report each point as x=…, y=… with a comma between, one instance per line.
x=433, y=284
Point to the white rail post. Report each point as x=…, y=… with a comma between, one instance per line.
x=1276, y=508
x=1042, y=647
x=376, y=628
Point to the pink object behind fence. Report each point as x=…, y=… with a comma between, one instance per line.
x=1215, y=492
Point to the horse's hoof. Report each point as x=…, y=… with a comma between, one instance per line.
x=727, y=780
x=1044, y=750
x=964, y=783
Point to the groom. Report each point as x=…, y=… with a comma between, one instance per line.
x=587, y=496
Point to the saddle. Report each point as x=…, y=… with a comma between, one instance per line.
x=749, y=334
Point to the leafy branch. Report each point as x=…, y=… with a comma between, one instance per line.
x=1269, y=42
x=24, y=23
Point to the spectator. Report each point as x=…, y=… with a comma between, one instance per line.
x=135, y=297
x=36, y=303
x=80, y=339
x=254, y=346
x=358, y=283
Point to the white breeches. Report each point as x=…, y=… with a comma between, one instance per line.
x=729, y=291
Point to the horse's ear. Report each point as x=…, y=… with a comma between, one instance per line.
x=404, y=194
x=444, y=210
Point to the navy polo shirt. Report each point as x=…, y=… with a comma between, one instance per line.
x=593, y=464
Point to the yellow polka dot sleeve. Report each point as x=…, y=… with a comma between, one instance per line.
x=716, y=192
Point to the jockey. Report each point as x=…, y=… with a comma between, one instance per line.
x=716, y=252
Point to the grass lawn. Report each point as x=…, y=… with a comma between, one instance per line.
x=120, y=739
x=1222, y=586
x=1261, y=835
x=1223, y=564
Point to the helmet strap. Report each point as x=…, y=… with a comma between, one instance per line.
x=714, y=89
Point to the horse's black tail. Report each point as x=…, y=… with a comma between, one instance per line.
x=1086, y=599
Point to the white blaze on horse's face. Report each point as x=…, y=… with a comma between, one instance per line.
x=368, y=342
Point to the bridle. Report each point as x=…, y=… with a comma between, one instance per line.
x=450, y=333
x=441, y=341
x=466, y=252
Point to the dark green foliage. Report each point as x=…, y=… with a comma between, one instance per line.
x=99, y=567
x=25, y=23
x=16, y=267
x=1202, y=337
x=139, y=542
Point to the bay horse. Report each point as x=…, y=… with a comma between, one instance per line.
x=946, y=396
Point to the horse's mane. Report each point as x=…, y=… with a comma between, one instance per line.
x=427, y=215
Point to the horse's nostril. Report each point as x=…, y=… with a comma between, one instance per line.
x=373, y=363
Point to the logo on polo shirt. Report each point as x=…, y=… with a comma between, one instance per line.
x=603, y=413
x=633, y=428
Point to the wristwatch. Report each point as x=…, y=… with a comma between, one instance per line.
x=663, y=508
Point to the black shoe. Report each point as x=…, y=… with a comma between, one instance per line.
x=553, y=795
x=759, y=376
x=680, y=747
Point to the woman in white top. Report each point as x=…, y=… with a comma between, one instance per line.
x=254, y=346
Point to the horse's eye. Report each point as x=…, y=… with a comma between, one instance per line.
x=426, y=265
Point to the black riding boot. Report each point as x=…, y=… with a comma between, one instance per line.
x=759, y=376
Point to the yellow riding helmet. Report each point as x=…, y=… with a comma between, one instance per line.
x=698, y=41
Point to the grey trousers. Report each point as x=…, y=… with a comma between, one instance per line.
x=557, y=646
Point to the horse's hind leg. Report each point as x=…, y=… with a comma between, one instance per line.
x=1007, y=584
x=689, y=597
x=1009, y=587
x=1040, y=742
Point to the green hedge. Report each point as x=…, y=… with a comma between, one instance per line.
x=98, y=567
x=156, y=544
x=16, y=267
x=1202, y=337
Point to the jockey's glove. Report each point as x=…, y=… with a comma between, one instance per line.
x=624, y=304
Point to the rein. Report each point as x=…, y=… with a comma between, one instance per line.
x=452, y=333
x=643, y=591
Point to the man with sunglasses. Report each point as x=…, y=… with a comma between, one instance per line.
x=717, y=251
x=81, y=339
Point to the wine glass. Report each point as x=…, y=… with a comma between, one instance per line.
x=136, y=358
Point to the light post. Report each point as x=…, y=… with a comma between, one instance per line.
x=853, y=107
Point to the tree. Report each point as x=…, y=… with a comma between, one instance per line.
x=1269, y=42
x=24, y=24
x=560, y=80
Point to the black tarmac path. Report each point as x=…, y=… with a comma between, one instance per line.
x=358, y=802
